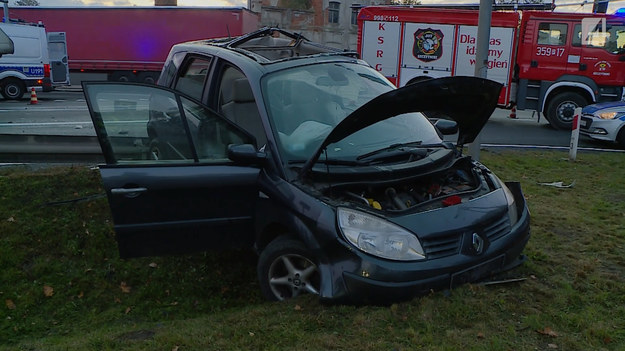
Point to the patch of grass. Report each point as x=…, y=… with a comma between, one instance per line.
x=573, y=297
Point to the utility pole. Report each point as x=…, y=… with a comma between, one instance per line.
x=481, y=59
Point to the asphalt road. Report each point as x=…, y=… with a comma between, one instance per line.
x=65, y=113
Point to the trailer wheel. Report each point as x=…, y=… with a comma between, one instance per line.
x=561, y=109
x=12, y=88
x=147, y=77
x=122, y=76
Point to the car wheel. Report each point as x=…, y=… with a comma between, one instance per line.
x=561, y=109
x=13, y=89
x=286, y=270
x=620, y=137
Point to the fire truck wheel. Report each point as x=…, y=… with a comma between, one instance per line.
x=12, y=89
x=561, y=109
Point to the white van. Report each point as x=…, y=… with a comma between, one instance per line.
x=30, y=64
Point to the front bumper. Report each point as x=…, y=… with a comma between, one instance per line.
x=377, y=281
x=600, y=129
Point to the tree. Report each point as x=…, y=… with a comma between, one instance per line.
x=27, y=3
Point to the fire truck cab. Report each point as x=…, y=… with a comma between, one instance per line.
x=566, y=60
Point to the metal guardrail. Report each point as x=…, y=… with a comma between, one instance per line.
x=50, y=148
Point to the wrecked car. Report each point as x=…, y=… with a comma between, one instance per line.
x=311, y=157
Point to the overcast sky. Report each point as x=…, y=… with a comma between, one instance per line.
x=613, y=6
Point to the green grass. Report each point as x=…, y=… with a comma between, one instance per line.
x=573, y=297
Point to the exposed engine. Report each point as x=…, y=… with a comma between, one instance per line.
x=447, y=187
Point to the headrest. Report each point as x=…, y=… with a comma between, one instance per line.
x=241, y=91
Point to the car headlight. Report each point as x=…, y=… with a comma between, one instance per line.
x=607, y=115
x=378, y=237
x=512, y=209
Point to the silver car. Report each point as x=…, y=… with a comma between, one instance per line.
x=604, y=121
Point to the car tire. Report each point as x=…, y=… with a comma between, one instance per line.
x=620, y=138
x=561, y=109
x=13, y=89
x=286, y=270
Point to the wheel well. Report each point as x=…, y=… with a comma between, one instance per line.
x=566, y=89
x=269, y=233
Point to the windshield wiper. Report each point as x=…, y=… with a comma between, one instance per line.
x=391, y=148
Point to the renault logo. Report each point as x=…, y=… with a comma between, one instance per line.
x=478, y=243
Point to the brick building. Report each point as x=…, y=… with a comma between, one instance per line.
x=332, y=22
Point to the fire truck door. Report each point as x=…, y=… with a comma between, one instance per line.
x=550, y=56
x=602, y=51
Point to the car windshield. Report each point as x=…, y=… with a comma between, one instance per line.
x=305, y=103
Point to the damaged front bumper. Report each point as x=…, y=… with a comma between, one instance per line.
x=362, y=278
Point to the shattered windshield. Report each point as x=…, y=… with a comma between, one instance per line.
x=305, y=103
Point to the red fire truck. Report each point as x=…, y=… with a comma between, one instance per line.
x=550, y=62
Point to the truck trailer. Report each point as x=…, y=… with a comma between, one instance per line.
x=550, y=62
x=131, y=43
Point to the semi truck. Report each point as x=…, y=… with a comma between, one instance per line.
x=549, y=62
x=131, y=43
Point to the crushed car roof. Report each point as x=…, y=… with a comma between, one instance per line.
x=268, y=45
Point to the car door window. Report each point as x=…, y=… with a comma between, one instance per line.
x=152, y=124
x=552, y=33
x=193, y=76
x=237, y=103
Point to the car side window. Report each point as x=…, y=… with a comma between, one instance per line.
x=237, y=103
x=192, y=77
x=150, y=124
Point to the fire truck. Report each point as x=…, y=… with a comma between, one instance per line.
x=549, y=62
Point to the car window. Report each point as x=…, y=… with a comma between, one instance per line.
x=237, y=103
x=149, y=124
x=192, y=77
x=612, y=40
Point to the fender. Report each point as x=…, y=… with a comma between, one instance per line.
x=10, y=73
x=567, y=83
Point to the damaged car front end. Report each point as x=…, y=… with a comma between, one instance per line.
x=393, y=211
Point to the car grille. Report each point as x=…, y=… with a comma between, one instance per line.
x=447, y=245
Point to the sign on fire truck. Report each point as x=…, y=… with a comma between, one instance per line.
x=547, y=61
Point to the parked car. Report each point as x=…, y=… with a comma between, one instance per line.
x=313, y=158
x=604, y=121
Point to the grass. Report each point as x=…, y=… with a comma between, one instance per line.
x=63, y=286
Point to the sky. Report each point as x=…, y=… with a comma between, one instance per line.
x=575, y=8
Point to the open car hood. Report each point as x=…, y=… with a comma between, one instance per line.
x=469, y=101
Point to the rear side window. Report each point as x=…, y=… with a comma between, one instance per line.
x=192, y=77
x=552, y=33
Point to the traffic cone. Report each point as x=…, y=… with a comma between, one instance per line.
x=33, y=96
x=513, y=112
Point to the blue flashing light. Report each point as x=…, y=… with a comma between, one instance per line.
x=620, y=12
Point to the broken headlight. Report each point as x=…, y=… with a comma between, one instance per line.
x=379, y=237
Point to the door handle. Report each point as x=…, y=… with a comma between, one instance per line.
x=128, y=191
x=582, y=66
x=533, y=63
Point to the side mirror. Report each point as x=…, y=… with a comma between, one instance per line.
x=446, y=127
x=246, y=154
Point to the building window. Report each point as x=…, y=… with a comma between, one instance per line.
x=333, y=12
x=355, y=9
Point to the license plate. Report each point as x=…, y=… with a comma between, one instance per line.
x=583, y=123
x=477, y=272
